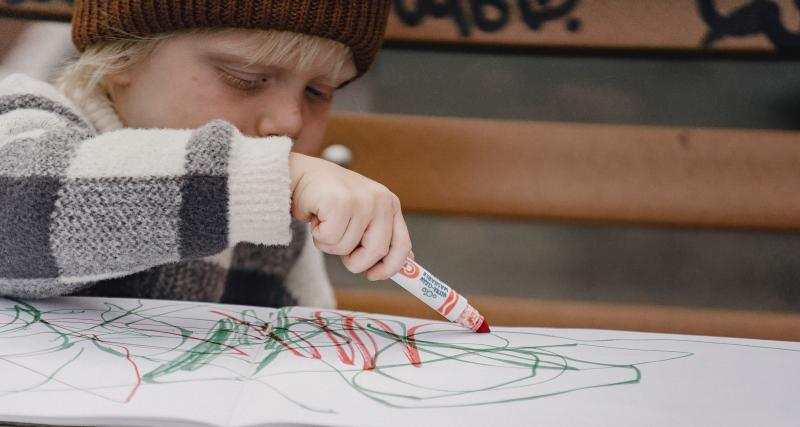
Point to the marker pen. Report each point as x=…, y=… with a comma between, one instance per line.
x=440, y=297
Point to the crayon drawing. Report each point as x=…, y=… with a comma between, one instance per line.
x=114, y=361
x=386, y=360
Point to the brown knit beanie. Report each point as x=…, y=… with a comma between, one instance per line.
x=359, y=24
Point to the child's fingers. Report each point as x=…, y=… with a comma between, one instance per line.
x=355, y=230
x=374, y=244
x=399, y=251
x=333, y=217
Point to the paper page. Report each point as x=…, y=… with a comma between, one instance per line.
x=334, y=368
x=87, y=361
x=165, y=363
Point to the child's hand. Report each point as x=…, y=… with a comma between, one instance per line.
x=351, y=216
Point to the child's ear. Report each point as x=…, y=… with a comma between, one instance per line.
x=119, y=78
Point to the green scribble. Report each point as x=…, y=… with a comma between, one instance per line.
x=166, y=343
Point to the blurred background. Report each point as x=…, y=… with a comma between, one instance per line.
x=723, y=268
x=681, y=85
x=538, y=65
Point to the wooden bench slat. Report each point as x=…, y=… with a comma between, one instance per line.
x=586, y=172
x=504, y=311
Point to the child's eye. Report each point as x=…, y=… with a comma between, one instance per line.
x=240, y=83
x=318, y=94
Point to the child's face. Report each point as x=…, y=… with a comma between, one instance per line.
x=192, y=79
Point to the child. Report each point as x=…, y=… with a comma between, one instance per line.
x=161, y=166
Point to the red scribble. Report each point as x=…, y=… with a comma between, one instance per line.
x=262, y=330
x=135, y=369
x=408, y=341
x=340, y=346
x=314, y=352
x=345, y=349
x=369, y=358
x=352, y=327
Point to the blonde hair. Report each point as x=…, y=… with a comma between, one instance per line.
x=84, y=78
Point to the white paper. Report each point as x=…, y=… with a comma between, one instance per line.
x=150, y=362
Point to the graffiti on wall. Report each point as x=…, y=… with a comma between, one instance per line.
x=488, y=15
x=752, y=18
x=503, y=19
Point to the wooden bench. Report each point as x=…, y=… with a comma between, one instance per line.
x=682, y=177
x=581, y=172
x=586, y=172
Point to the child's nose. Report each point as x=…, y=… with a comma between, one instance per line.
x=282, y=118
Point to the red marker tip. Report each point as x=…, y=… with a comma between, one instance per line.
x=483, y=328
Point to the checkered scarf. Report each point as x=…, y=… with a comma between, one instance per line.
x=152, y=213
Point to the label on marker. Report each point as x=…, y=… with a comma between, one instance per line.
x=437, y=295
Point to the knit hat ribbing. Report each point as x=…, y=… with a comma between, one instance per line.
x=359, y=24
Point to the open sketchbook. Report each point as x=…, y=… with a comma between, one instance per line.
x=88, y=361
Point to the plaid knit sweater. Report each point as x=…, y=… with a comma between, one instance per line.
x=90, y=208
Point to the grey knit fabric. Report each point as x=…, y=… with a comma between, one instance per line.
x=256, y=277
x=71, y=224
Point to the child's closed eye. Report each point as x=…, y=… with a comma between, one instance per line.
x=255, y=82
x=319, y=94
x=242, y=83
